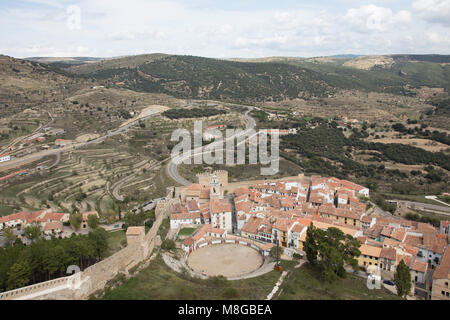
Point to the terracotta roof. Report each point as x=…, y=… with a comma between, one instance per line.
x=398, y=234
x=419, y=266
x=298, y=228
x=386, y=231
x=243, y=206
x=14, y=216
x=443, y=270
x=219, y=206
x=388, y=253
x=53, y=225
x=193, y=206
x=188, y=241
x=54, y=216
x=185, y=216
x=370, y=250
x=252, y=225
x=241, y=191
x=413, y=240
x=282, y=225
x=390, y=242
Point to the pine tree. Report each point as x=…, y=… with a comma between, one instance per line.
x=402, y=279
x=311, y=247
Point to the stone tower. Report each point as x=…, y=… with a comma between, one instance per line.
x=216, y=192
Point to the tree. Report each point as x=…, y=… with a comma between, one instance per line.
x=330, y=250
x=100, y=238
x=275, y=252
x=168, y=245
x=75, y=220
x=18, y=275
x=32, y=232
x=8, y=233
x=310, y=246
x=402, y=279
x=93, y=221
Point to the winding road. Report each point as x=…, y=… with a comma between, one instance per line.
x=172, y=168
x=38, y=155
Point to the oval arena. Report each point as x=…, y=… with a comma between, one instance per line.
x=228, y=258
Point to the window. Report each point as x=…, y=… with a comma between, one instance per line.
x=443, y=293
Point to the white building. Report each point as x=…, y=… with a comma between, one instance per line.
x=177, y=219
x=5, y=157
x=221, y=215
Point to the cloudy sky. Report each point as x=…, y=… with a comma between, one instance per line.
x=228, y=28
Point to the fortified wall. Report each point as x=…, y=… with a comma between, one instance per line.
x=94, y=278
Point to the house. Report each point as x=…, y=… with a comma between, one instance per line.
x=295, y=234
x=53, y=228
x=370, y=256
x=5, y=157
x=417, y=269
x=388, y=259
x=221, y=214
x=367, y=222
x=177, y=219
x=202, y=234
x=62, y=142
x=441, y=279
x=15, y=220
x=444, y=227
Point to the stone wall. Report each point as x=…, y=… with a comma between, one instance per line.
x=94, y=278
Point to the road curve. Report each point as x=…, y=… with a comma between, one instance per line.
x=172, y=168
x=41, y=154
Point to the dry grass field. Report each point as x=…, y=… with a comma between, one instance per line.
x=425, y=144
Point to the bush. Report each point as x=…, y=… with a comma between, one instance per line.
x=230, y=293
x=297, y=256
x=168, y=245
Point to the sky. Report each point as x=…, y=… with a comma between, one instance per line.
x=223, y=29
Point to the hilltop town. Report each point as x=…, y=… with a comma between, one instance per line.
x=272, y=213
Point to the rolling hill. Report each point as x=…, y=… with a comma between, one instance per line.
x=266, y=79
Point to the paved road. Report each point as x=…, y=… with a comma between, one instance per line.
x=435, y=198
x=172, y=168
x=426, y=207
x=41, y=154
x=17, y=140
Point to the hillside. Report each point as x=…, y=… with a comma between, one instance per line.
x=113, y=63
x=266, y=79
x=26, y=84
x=204, y=78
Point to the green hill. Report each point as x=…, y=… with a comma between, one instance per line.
x=266, y=79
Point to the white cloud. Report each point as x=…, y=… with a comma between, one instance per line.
x=373, y=18
x=116, y=27
x=434, y=11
